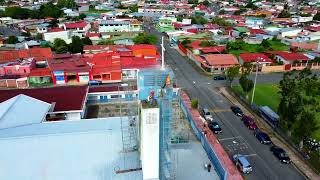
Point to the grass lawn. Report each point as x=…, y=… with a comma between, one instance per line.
x=255, y=48
x=265, y=94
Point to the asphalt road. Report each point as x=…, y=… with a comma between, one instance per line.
x=236, y=138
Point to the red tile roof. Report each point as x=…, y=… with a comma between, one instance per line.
x=213, y=49
x=74, y=25
x=142, y=46
x=304, y=45
x=221, y=59
x=313, y=28
x=292, y=56
x=66, y=98
x=93, y=34
x=40, y=72
x=55, y=30
x=256, y=31
x=25, y=53
x=69, y=65
x=253, y=57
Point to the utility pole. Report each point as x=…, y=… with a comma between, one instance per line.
x=162, y=53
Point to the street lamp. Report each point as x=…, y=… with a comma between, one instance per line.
x=255, y=79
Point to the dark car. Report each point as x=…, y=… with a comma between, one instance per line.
x=215, y=127
x=280, y=154
x=249, y=123
x=94, y=83
x=219, y=77
x=237, y=111
x=262, y=137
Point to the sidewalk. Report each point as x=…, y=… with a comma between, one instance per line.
x=276, y=139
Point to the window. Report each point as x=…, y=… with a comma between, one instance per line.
x=222, y=69
x=114, y=96
x=24, y=70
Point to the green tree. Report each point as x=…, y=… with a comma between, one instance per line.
x=194, y=103
x=60, y=46
x=207, y=43
x=26, y=34
x=317, y=16
x=246, y=85
x=284, y=14
x=201, y=20
x=82, y=16
x=266, y=44
x=221, y=12
x=17, y=12
x=185, y=43
x=106, y=42
x=2, y=2
x=12, y=40
x=193, y=1
x=86, y=41
x=50, y=10
x=206, y=3
x=76, y=46
x=180, y=18
x=246, y=69
x=66, y=4
x=221, y=22
x=134, y=8
x=144, y=38
x=53, y=23
x=232, y=73
x=38, y=36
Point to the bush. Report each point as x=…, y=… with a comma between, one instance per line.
x=194, y=103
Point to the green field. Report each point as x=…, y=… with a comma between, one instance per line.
x=267, y=95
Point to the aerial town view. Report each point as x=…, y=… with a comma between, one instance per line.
x=159, y=90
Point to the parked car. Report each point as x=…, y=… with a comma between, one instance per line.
x=280, y=154
x=205, y=113
x=262, y=137
x=219, y=77
x=249, y=123
x=242, y=163
x=215, y=127
x=237, y=111
x=94, y=83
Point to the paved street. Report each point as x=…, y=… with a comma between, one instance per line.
x=236, y=138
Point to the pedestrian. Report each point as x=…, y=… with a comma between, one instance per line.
x=209, y=167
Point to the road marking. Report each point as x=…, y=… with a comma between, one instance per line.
x=249, y=155
x=221, y=110
x=224, y=139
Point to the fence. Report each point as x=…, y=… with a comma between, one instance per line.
x=215, y=152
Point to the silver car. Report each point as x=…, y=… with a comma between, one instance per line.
x=206, y=114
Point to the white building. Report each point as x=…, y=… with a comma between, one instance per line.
x=61, y=34
x=77, y=28
x=289, y=32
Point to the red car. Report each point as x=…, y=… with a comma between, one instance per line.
x=249, y=123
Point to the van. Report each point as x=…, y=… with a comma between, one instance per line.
x=242, y=163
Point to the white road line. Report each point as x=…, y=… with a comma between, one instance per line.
x=248, y=155
x=224, y=139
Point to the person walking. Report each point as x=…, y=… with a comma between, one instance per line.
x=209, y=167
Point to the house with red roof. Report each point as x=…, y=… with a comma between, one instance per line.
x=12, y=55
x=69, y=70
x=217, y=63
x=290, y=58
x=66, y=102
x=40, y=76
x=77, y=28
x=255, y=57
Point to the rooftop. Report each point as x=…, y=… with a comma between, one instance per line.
x=253, y=57
x=221, y=59
x=67, y=98
x=73, y=25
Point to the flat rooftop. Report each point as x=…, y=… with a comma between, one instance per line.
x=82, y=150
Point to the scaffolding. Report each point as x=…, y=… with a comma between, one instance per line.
x=128, y=128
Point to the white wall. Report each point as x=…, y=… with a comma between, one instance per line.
x=150, y=125
x=50, y=36
x=73, y=116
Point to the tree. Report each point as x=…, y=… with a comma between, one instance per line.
x=185, y=42
x=221, y=12
x=66, y=4
x=82, y=16
x=60, y=46
x=284, y=14
x=12, y=40
x=106, y=42
x=180, y=18
x=193, y=1
x=53, y=23
x=194, y=103
x=26, y=34
x=76, y=46
x=246, y=69
x=206, y=3
x=232, y=73
x=221, y=22
x=266, y=44
x=246, y=85
x=144, y=38
x=86, y=41
x=201, y=20
x=50, y=10
x=317, y=17
x=207, y=43
x=2, y=2
x=134, y=8
x=38, y=36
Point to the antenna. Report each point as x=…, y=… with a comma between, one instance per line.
x=162, y=54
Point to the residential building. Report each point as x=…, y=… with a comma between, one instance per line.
x=130, y=25
x=55, y=33
x=290, y=58
x=77, y=28
x=253, y=58
x=218, y=63
x=289, y=32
